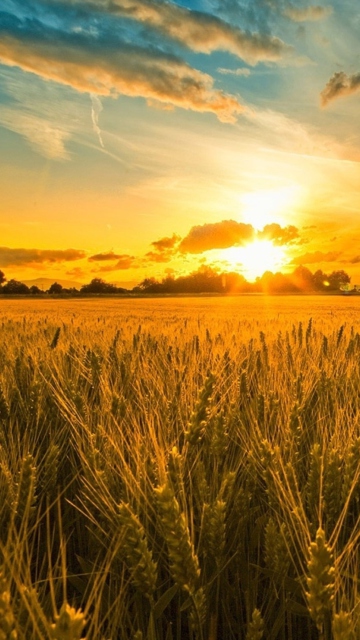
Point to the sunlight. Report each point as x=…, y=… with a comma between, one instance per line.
x=263, y=207
x=255, y=258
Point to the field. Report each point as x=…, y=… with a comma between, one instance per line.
x=177, y=469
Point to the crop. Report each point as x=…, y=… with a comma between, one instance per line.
x=179, y=469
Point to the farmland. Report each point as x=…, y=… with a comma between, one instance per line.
x=180, y=468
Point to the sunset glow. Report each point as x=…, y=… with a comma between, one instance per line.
x=261, y=256
x=274, y=204
x=143, y=138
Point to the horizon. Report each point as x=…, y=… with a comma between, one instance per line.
x=203, y=280
x=147, y=138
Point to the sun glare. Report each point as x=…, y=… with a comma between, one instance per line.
x=255, y=258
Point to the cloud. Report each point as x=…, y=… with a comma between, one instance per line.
x=90, y=65
x=217, y=235
x=96, y=109
x=243, y=71
x=354, y=260
x=163, y=257
x=76, y=272
x=196, y=30
x=29, y=257
x=166, y=243
x=307, y=14
x=340, y=84
x=316, y=257
x=44, y=136
x=124, y=262
x=279, y=235
x=110, y=255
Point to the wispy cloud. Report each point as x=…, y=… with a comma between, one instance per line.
x=42, y=112
x=47, y=137
x=340, y=84
x=32, y=257
x=243, y=71
x=311, y=13
x=96, y=109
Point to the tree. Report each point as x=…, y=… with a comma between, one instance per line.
x=337, y=279
x=302, y=278
x=15, y=287
x=55, y=288
x=34, y=289
x=2, y=277
x=97, y=285
x=320, y=279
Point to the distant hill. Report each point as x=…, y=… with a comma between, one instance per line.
x=45, y=283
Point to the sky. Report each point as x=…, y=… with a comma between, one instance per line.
x=145, y=138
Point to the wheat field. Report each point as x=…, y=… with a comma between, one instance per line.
x=182, y=468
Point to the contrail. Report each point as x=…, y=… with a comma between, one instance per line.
x=96, y=109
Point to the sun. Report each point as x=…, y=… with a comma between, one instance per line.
x=255, y=258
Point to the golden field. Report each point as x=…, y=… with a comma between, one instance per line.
x=180, y=468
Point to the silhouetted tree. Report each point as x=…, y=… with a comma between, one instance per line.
x=319, y=280
x=97, y=285
x=55, y=288
x=15, y=287
x=2, y=277
x=207, y=280
x=338, y=278
x=34, y=289
x=302, y=278
x=150, y=285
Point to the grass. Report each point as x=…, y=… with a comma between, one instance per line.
x=180, y=469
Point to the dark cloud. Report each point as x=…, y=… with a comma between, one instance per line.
x=316, y=257
x=88, y=64
x=164, y=249
x=102, y=257
x=279, y=235
x=10, y=257
x=166, y=243
x=354, y=260
x=125, y=262
x=163, y=256
x=196, y=30
x=217, y=235
x=340, y=84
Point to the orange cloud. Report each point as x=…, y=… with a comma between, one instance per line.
x=110, y=255
x=354, y=260
x=316, y=257
x=166, y=243
x=10, y=257
x=153, y=256
x=217, y=235
x=88, y=66
x=125, y=262
x=279, y=235
x=197, y=30
x=340, y=84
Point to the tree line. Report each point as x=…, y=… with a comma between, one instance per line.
x=204, y=280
